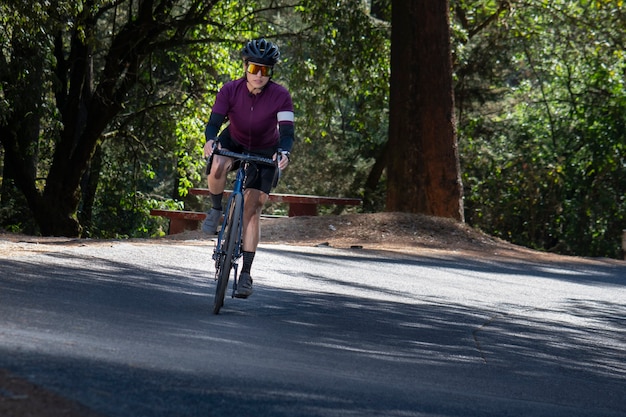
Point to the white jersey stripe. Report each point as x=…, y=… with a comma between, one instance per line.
x=285, y=116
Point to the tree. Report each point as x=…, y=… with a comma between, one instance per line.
x=423, y=163
x=81, y=78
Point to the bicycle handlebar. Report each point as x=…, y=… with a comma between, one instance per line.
x=247, y=158
x=244, y=157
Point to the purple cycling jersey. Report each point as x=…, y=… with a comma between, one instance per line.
x=254, y=118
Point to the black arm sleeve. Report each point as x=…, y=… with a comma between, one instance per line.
x=286, y=132
x=213, y=126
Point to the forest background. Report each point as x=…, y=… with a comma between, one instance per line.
x=540, y=106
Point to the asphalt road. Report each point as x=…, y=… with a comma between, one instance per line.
x=127, y=330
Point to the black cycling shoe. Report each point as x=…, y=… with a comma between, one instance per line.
x=244, y=286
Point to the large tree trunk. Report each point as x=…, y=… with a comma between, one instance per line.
x=423, y=165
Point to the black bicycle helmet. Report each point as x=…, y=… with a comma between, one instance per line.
x=261, y=51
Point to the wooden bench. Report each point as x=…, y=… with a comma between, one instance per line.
x=299, y=205
x=180, y=220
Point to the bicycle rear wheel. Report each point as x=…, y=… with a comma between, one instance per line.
x=230, y=237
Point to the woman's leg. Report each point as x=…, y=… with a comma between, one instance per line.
x=216, y=179
x=254, y=200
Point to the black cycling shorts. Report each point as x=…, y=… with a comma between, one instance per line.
x=259, y=176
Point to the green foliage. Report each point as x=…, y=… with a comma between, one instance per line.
x=543, y=143
x=539, y=91
x=154, y=146
x=338, y=68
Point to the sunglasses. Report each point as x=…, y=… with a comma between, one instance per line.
x=255, y=68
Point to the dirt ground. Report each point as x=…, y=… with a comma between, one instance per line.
x=408, y=233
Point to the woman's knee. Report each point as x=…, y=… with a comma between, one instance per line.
x=220, y=166
x=255, y=200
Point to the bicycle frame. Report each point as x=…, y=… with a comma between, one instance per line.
x=219, y=245
x=227, y=251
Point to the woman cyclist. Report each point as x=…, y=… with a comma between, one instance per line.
x=261, y=121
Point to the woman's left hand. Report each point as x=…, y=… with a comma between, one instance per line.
x=283, y=161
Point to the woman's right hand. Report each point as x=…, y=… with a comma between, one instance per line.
x=208, y=148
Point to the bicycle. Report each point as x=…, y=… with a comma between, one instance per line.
x=228, y=246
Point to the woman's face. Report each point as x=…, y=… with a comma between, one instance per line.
x=257, y=75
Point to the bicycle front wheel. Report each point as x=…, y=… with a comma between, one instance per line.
x=230, y=236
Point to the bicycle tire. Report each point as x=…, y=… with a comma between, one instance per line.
x=230, y=237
